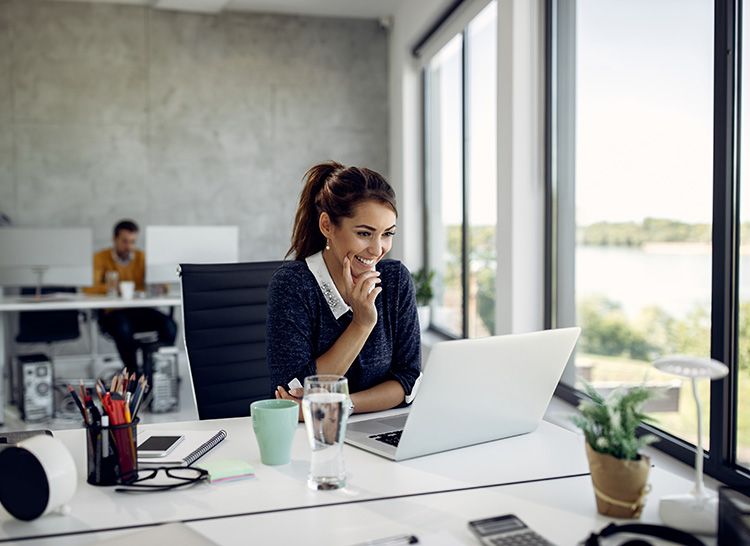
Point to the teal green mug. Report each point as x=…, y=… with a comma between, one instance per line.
x=274, y=423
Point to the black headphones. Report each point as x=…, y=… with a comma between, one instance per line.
x=657, y=531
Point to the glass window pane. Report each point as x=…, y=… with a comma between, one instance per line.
x=482, y=169
x=444, y=175
x=643, y=196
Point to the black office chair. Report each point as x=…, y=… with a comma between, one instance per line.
x=224, y=319
x=43, y=327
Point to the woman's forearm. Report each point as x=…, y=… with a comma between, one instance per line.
x=386, y=395
x=342, y=353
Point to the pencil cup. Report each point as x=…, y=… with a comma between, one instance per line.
x=111, y=454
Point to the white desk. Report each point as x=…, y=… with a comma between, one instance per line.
x=64, y=303
x=563, y=511
x=549, y=452
x=82, y=301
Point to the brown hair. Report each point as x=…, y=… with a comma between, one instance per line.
x=336, y=190
x=125, y=225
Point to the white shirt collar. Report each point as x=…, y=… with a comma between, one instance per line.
x=317, y=267
x=118, y=260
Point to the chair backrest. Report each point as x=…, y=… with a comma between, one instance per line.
x=224, y=308
x=47, y=326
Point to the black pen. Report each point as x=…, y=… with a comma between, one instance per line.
x=392, y=541
x=96, y=417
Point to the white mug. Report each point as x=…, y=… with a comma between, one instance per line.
x=127, y=289
x=37, y=476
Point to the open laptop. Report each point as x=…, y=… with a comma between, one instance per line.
x=473, y=391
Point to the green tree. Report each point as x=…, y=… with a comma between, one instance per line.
x=612, y=234
x=651, y=230
x=692, y=335
x=656, y=326
x=607, y=331
x=743, y=335
x=486, y=298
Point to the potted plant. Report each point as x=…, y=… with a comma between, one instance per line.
x=619, y=472
x=423, y=292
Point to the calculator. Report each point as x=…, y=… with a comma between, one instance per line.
x=506, y=530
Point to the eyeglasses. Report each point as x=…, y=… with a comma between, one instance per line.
x=182, y=476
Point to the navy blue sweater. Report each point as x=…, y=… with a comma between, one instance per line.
x=301, y=327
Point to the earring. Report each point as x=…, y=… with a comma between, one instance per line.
x=328, y=244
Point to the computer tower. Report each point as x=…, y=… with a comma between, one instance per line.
x=65, y=406
x=164, y=380
x=36, y=397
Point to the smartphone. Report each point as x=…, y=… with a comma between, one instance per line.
x=506, y=530
x=159, y=446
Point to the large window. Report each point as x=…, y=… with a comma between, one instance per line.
x=461, y=177
x=444, y=170
x=481, y=175
x=642, y=219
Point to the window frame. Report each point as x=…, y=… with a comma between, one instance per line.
x=720, y=461
x=465, y=214
x=426, y=190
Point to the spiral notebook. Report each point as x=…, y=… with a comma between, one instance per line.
x=195, y=445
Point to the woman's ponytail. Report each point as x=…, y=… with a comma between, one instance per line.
x=306, y=236
x=336, y=190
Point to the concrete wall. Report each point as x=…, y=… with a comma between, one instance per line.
x=110, y=111
x=412, y=19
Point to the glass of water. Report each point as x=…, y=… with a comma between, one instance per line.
x=111, y=281
x=325, y=406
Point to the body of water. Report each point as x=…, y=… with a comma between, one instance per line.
x=673, y=278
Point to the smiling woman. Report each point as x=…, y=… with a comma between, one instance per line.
x=340, y=307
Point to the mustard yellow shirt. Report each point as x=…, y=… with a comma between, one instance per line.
x=104, y=261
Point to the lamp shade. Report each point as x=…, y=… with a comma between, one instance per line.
x=692, y=366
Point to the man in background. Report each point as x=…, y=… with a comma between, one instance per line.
x=124, y=262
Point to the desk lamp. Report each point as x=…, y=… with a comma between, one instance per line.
x=696, y=511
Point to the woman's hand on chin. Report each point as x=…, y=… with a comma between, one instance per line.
x=360, y=295
x=293, y=394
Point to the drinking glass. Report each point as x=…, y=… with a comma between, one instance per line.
x=325, y=406
x=111, y=280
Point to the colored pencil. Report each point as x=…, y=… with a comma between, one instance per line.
x=77, y=400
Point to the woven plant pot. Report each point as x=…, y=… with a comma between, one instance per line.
x=620, y=485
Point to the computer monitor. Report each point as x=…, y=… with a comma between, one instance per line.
x=169, y=246
x=46, y=256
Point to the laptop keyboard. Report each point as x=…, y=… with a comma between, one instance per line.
x=390, y=438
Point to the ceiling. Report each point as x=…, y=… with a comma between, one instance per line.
x=365, y=9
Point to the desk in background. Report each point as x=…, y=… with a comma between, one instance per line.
x=10, y=304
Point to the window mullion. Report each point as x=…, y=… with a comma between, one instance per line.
x=734, y=402
x=464, y=188
x=426, y=105
x=550, y=177
x=724, y=241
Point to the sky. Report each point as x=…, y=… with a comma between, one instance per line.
x=644, y=113
x=481, y=123
x=644, y=110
